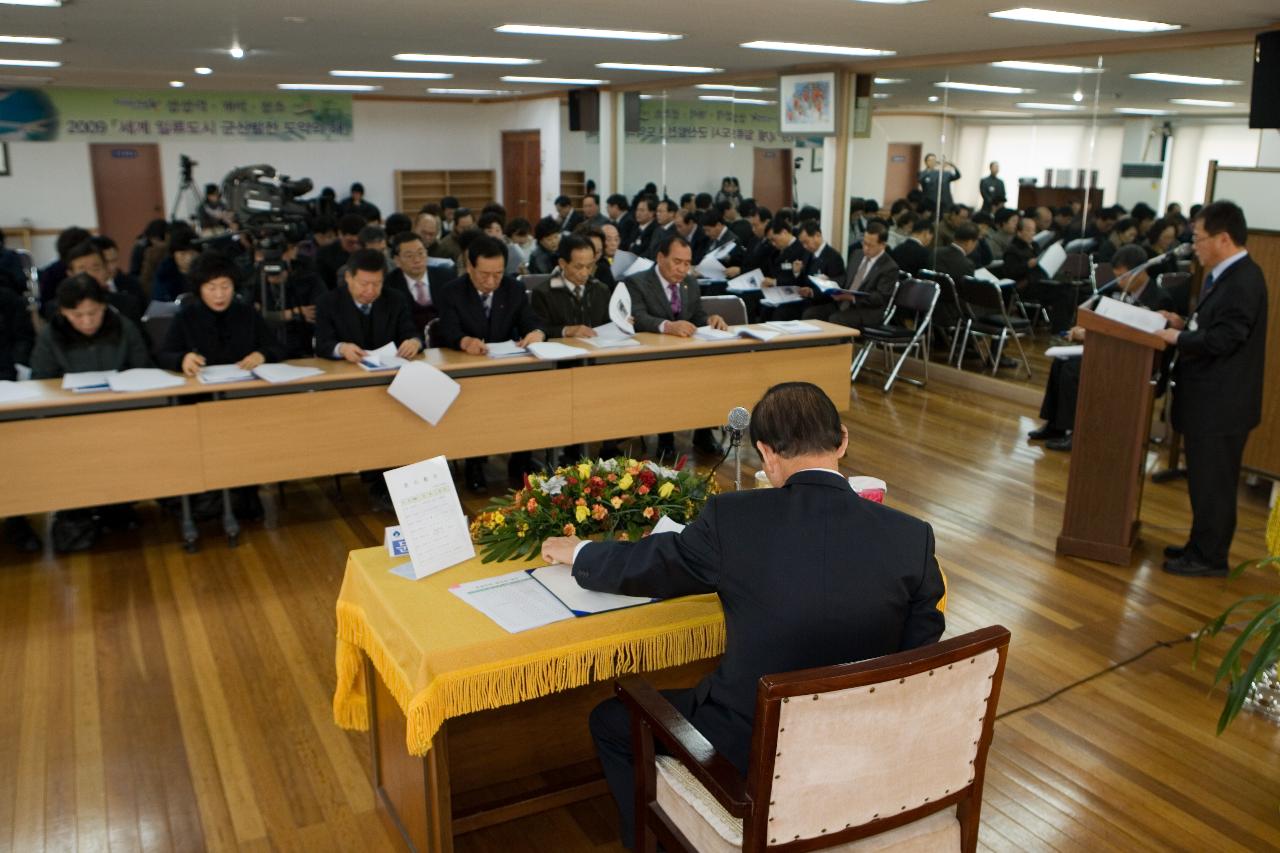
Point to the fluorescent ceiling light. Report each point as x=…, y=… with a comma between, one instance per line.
x=327, y=87
x=560, y=81
x=237, y=52
x=454, y=91
x=1050, y=67
x=52, y=4
x=465, y=60
x=407, y=75
x=882, y=95
x=1200, y=102
x=797, y=47
x=204, y=71
x=730, y=87
x=1142, y=111
x=887, y=81
x=29, y=40
x=983, y=87
x=933, y=99
x=678, y=69
x=1076, y=19
x=32, y=63
x=1035, y=105
x=584, y=32
x=1000, y=113
x=177, y=84
x=647, y=97
x=730, y=99
x=1158, y=77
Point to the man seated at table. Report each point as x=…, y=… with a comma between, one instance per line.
x=809, y=574
x=1059, y=406
x=666, y=299
x=481, y=307
x=410, y=278
x=874, y=274
x=354, y=320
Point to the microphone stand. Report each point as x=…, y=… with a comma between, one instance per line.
x=735, y=444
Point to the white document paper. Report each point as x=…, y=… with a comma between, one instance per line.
x=747, y=282
x=559, y=581
x=793, y=327
x=1052, y=260
x=277, y=373
x=706, y=333
x=987, y=275
x=216, y=374
x=760, y=333
x=160, y=309
x=90, y=380
x=775, y=296
x=13, y=392
x=622, y=261
x=1070, y=351
x=613, y=337
x=638, y=266
x=383, y=358
x=710, y=268
x=440, y=263
x=424, y=390
x=553, y=351
x=515, y=601
x=666, y=525
x=1131, y=315
x=505, y=349
x=825, y=285
x=725, y=251
x=144, y=379
x=430, y=515
x=620, y=309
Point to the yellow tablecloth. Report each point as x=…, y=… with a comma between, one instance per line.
x=441, y=658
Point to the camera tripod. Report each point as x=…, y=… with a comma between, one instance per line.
x=189, y=190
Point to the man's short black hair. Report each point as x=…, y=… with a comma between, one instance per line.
x=494, y=207
x=357, y=187
x=686, y=198
x=876, y=228
x=449, y=203
x=763, y=213
x=372, y=234
x=906, y=221
x=966, y=231
x=462, y=213
x=747, y=208
x=83, y=249
x=487, y=219
x=702, y=201
x=982, y=218
x=563, y=201
x=668, y=205
x=812, y=228
x=1128, y=257
x=545, y=228
x=157, y=229
x=77, y=288
x=810, y=213
x=352, y=224
x=779, y=224
x=69, y=237
x=594, y=197
x=209, y=265
x=464, y=237
x=397, y=223
x=323, y=224
x=1005, y=215
x=1124, y=225
x=401, y=239
x=484, y=246
x=923, y=225
x=366, y=260
x=519, y=226
x=1108, y=213
x=870, y=206
x=618, y=200
x=669, y=240
x=712, y=216
x=102, y=241
x=573, y=243
x=723, y=205
x=1221, y=217
x=648, y=200
x=796, y=419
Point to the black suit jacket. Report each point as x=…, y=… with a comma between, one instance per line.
x=641, y=239
x=556, y=307
x=809, y=575
x=954, y=262
x=651, y=305
x=329, y=260
x=17, y=333
x=221, y=337
x=338, y=321
x=1017, y=262
x=827, y=262
x=911, y=256
x=1218, y=377
x=422, y=314
x=572, y=221
x=879, y=282
x=511, y=316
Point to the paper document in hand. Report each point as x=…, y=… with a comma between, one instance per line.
x=216, y=374
x=13, y=392
x=622, y=261
x=637, y=267
x=826, y=285
x=1131, y=315
x=620, y=309
x=666, y=525
x=746, y=282
x=706, y=333
x=430, y=515
x=552, y=351
x=725, y=251
x=609, y=336
x=144, y=379
x=558, y=580
x=987, y=275
x=1052, y=260
x=505, y=349
x=90, y=380
x=383, y=358
x=277, y=373
x=515, y=601
x=775, y=296
x=1071, y=351
x=793, y=327
x=424, y=390
x=710, y=268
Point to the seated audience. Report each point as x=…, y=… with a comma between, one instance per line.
x=566, y=217
x=1000, y=236
x=572, y=302
x=646, y=227
x=17, y=337
x=789, y=257
x=595, y=237
x=333, y=257
x=87, y=258
x=363, y=316
x=720, y=238
x=591, y=213
x=410, y=279
x=1022, y=265
x=153, y=237
x=462, y=221
x=520, y=239
x=53, y=274
x=738, y=220
x=914, y=253
x=542, y=261
x=373, y=237
x=358, y=205
x=449, y=207
x=823, y=259
x=619, y=213
x=397, y=223
x=1124, y=233
x=874, y=274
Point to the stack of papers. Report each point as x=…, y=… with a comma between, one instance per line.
x=1131, y=315
x=706, y=333
x=92, y=380
x=505, y=349
x=747, y=282
x=515, y=601
x=1070, y=351
x=277, y=373
x=985, y=274
x=609, y=336
x=143, y=379
x=552, y=351
x=775, y=296
x=424, y=390
x=13, y=392
x=383, y=358
x=793, y=327
x=216, y=374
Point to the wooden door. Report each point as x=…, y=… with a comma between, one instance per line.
x=771, y=178
x=126, y=190
x=522, y=174
x=901, y=171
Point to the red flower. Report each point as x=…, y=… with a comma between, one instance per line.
x=643, y=490
x=572, y=481
x=684, y=457
x=613, y=478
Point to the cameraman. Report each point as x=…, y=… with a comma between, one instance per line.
x=213, y=214
x=290, y=288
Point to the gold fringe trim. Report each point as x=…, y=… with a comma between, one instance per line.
x=1273, y=531
x=460, y=692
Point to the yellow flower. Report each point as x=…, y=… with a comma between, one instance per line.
x=649, y=512
x=584, y=470
x=617, y=502
x=665, y=490
x=625, y=482
x=580, y=513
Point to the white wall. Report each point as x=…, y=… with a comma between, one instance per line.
x=1195, y=144
x=869, y=157
x=1269, y=148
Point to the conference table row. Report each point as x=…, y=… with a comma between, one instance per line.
x=60, y=449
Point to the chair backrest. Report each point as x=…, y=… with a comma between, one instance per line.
x=430, y=332
x=1102, y=273
x=156, y=328
x=917, y=295
x=1178, y=284
x=1082, y=244
x=982, y=295
x=439, y=276
x=731, y=308
x=838, y=751
x=1078, y=265
x=948, y=294
x=534, y=279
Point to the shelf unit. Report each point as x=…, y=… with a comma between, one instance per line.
x=474, y=188
x=574, y=185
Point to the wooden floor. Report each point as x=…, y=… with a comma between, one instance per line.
x=165, y=701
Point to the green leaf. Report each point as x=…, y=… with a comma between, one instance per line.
x=1239, y=690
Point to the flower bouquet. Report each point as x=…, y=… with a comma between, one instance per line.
x=620, y=498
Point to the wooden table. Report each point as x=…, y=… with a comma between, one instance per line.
x=199, y=437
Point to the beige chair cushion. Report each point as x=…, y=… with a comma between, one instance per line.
x=711, y=829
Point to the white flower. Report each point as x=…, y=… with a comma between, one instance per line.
x=667, y=473
x=553, y=485
x=609, y=465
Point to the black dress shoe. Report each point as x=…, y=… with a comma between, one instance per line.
x=1045, y=433
x=1063, y=443
x=1191, y=567
x=1173, y=552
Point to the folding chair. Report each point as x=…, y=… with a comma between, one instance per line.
x=730, y=308
x=914, y=295
x=989, y=318
x=1178, y=285
x=947, y=297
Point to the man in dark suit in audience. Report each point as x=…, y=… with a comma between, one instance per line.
x=1022, y=265
x=86, y=257
x=913, y=253
x=737, y=220
x=823, y=258
x=619, y=213
x=483, y=307
x=1218, y=382
x=688, y=226
x=720, y=236
x=362, y=316
x=953, y=259
x=646, y=228
x=411, y=281
x=788, y=258
x=809, y=574
x=591, y=213
x=332, y=257
x=666, y=300
x=873, y=273
x=567, y=218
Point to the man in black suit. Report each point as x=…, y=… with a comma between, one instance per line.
x=411, y=281
x=619, y=213
x=1059, y=406
x=935, y=182
x=666, y=299
x=332, y=257
x=953, y=259
x=991, y=188
x=688, y=225
x=1022, y=265
x=642, y=242
x=567, y=218
x=356, y=203
x=362, y=316
x=86, y=257
x=823, y=258
x=912, y=254
x=1217, y=393
x=809, y=574
x=873, y=273
x=481, y=307
x=719, y=236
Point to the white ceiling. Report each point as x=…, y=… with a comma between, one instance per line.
x=146, y=43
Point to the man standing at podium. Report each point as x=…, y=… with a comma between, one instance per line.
x=1217, y=397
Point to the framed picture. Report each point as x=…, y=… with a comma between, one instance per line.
x=807, y=103
x=815, y=158
x=4, y=159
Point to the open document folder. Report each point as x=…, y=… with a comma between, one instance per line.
x=522, y=600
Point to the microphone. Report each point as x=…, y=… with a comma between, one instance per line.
x=1179, y=253
x=739, y=420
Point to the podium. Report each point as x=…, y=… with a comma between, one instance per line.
x=1109, y=443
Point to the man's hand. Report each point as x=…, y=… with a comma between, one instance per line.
x=559, y=549
x=1170, y=336
x=351, y=352
x=537, y=336
x=680, y=328
x=806, y=292
x=579, y=332
x=768, y=282
x=1034, y=262
x=715, y=321
x=473, y=346
x=409, y=348
x=250, y=361
x=732, y=272
x=1174, y=321
x=192, y=362
x=844, y=296
x=1076, y=335
x=797, y=267
x=308, y=312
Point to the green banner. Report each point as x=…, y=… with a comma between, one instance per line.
x=708, y=121
x=107, y=115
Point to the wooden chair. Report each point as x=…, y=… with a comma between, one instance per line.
x=891, y=750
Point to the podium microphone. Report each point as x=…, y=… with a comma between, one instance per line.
x=739, y=420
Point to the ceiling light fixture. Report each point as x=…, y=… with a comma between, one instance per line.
x=204, y=71
x=882, y=95
x=177, y=84
x=31, y=63
x=933, y=99
x=888, y=81
x=406, y=75
x=1035, y=105
x=1077, y=96
x=730, y=87
x=1049, y=67
x=327, y=87
x=892, y=2
x=798, y=47
x=677, y=69
x=1187, y=79
x=584, y=32
x=455, y=91
x=983, y=87
x=236, y=51
x=1201, y=102
x=1076, y=19
x=730, y=99
x=48, y=4
x=464, y=60
x=1143, y=111
x=559, y=81
x=29, y=40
